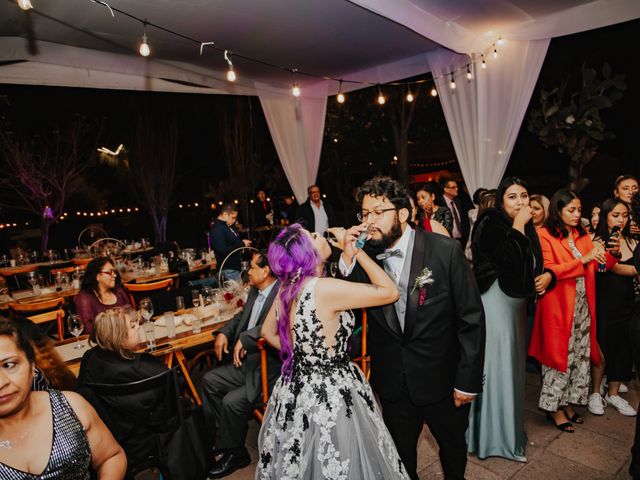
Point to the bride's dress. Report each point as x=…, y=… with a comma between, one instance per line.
x=324, y=423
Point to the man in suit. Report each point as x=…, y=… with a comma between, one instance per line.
x=232, y=391
x=226, y=239
x=452, y=201
x=315, y=214
x=262, y=210
x=427, y=349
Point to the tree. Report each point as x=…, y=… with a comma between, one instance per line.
x=151, y=162
x=572, y=123
x=45, y=169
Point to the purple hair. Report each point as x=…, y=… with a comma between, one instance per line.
x=292, y=259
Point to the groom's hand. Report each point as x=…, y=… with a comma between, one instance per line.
x=460, y=399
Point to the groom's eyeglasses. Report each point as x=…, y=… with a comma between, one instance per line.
x=375, y=214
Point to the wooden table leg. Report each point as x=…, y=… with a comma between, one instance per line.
x=183, y=365
x=168, y=360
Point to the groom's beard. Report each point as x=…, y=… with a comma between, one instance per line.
x=375, y=246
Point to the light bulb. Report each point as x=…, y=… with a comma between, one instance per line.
x=409, y=97
x=495, y=53
x=340, y=98
x=500, y=42
x=469, y=74
x=452, y=85
x=231, y=74
x=296, y=89
x=483, y=64
x=381, y=99
x=25, y=4
x=144, y=49
x=434, y=92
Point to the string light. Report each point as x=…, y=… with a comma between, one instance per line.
x=144, y=48
x=483, y=64
x=434, y=92
x=409, y=96
x=500, y=42
x=469, y=74
x=295, y=89
x=340, y=98
x=25, y=4
x=495, y=53
x=452, y=85
x=381, y=98
x=231, y=74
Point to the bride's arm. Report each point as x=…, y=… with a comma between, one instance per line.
x=343, y=295
x=270, y=327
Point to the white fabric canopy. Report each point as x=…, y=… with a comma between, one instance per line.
x=79, y=44
x=484, y=115
x=297, y=128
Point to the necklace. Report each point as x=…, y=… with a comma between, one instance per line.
x=8, y=444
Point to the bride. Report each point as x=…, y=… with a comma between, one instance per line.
x=322, y=420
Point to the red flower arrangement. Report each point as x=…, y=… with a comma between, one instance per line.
x=228, y=296
x=240, y=303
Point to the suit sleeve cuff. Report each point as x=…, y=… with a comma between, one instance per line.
x=465, y=393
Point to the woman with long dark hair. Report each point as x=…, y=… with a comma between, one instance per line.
x=322, y=420
x=428, y=209
x=614, y=308
x=99, y=291
x=508, y=266
x=564, y=331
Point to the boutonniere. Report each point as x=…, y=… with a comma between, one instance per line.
x=422, y=280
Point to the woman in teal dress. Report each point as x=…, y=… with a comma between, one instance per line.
x=509, y=270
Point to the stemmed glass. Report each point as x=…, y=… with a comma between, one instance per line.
x=146, y=312
x=34, y=280
x=195, y=298
x=333, y=269
x=75, y=328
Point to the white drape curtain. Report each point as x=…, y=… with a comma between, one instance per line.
x=297, y=128
x=484, y=115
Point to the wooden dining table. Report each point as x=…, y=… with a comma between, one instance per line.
x=133, y=277
x=171, y=349
x=27, y=296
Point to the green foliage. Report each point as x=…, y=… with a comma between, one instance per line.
x=572, y=122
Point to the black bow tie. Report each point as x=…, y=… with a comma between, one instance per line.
x=390, y=253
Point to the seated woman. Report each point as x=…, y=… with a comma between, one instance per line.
x=99, y=291
x=113, y=361
x=48, y=434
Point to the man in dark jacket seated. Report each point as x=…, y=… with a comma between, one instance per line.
x=232, y=391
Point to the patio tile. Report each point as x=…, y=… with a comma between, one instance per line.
x=548, y=466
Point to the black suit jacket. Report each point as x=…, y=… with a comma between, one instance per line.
x=442, y=346
x=305, y=215
x=464, y=218
x=236, y=329
x=224, y=242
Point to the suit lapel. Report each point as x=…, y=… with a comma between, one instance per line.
x=246, y=313
x=389, y=310
x=417, y=259
x=266, y=306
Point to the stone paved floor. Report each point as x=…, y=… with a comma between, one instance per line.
x=598, y=450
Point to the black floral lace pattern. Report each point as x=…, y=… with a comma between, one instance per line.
x=326, y=407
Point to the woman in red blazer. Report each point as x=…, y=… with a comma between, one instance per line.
x=564, y=331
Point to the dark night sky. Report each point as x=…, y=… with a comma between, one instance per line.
x=200, y=153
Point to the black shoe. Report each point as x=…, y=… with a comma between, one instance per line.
x=229, y=463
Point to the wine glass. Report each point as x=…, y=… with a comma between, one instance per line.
x=58, y=281
x=195, y=298
x=75, y=328
x=333, y=269
x=146, y=312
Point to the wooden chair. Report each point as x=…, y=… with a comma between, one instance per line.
x=81, y=261
x=16, y=272
x=147, y=288
x=42, y=312
x=70, y=269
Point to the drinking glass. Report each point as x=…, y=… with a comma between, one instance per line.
x=58, y=281
x=196, y=323
x=207, y=296
x=195, y=298
x=4, y=288
x=333, y=269
x=75, y=328
x=34, y=281
x=170, y=324
x=66, y=283
x=146, y=312
x=179, y=302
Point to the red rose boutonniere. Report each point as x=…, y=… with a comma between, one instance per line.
x=422, y=280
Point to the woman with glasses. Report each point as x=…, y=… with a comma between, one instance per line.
x=99, y=291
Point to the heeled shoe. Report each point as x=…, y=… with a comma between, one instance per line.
x=575, y=418
x=566, y=427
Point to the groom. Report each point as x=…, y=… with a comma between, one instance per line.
x=427, y=349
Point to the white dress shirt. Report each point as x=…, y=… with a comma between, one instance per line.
x=258, y=304
x=320, y=218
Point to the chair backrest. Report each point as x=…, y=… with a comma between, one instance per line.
x=147, y=288
x=138, y=413
x=42, y=312
x=70, y=269
x=81, y=261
